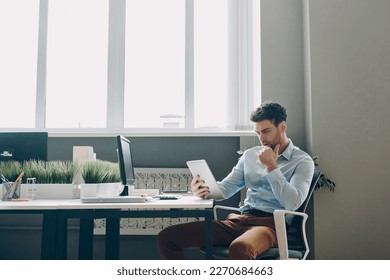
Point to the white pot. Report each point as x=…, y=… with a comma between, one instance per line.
x=50, y=191
x=100, y=190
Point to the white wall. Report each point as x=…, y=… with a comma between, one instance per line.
x=334, y=55
x=350, y=96
x=282, y=61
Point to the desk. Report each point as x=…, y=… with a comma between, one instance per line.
x=57, y=212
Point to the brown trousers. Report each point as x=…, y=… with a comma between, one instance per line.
x=246, y=235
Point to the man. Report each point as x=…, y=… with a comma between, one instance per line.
x=277, y=176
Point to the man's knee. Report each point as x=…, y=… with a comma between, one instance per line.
x=164, y=236
x=241, y=250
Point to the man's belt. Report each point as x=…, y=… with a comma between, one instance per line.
x=257, y=212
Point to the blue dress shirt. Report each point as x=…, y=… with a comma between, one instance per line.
x=285, y=187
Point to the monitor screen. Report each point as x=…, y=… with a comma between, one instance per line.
x=22, y=146
x=125, y=160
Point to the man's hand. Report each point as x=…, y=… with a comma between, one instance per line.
x=197, y=188
x=268, y=157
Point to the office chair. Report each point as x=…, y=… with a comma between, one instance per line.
x=292, y=240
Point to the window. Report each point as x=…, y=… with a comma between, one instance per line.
x=155, y=64
x=77, y=48
x=130, y=65
x=18, y=56
x=211, y=63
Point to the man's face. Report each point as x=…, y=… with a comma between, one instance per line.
x=269, y=134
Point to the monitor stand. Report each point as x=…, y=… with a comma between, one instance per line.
x=125, y=191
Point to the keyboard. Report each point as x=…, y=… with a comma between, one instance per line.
x=168, y=196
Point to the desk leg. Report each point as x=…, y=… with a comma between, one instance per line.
x=112, y=238
x=86, y=239
x=49, y=228
x=62, y=238
x=209, y=235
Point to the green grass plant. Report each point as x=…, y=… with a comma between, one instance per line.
x=100, y=171
x=49, y=172
x=10, y=169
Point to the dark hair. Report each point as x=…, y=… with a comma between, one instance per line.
x=271, y=111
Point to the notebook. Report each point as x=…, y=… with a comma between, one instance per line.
x=126, y=169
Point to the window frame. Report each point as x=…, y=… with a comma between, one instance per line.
x=245, y=42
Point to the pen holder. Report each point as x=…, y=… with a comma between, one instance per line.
x=10, y=191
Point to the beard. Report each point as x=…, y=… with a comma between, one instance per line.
x=277, y=140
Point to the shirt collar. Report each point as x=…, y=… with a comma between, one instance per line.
x=288, y=151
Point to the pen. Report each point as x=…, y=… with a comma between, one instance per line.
x=19, y=177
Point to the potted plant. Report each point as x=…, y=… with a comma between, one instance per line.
x=52, y=179
x=324, y=181
x=101, y=178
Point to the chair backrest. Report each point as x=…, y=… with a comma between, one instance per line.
x=314, y=181
x=294, y=232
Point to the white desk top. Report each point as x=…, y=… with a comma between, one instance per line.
x=186, y=201
x=30, y=205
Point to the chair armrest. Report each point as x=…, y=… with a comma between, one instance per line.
x=281, y=232
x=222, y=207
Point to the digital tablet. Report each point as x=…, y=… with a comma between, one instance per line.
x=201, y=168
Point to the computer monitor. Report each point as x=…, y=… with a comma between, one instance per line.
x=125, y=160
x=23, y=146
